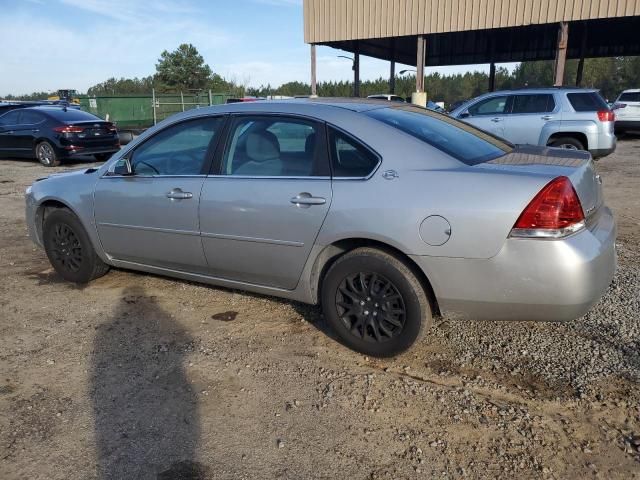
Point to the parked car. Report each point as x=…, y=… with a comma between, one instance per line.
x=571, y=118
x=52, y=134
x=387, y=96
x=435, y=107
x=627, y=109
x=385, y=214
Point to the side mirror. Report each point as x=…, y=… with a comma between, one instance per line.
x=123, y=167
x=464, y=115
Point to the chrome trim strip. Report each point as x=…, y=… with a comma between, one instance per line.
x=268, y=177
x=111, y=175
x=150, y=229
x=287, y=243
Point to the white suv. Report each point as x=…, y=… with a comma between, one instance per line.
x=627, y=108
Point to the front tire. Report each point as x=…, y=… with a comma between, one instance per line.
x=374, y=302
x=46, y=154
x=69, y=249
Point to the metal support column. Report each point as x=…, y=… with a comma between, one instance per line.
x=392, y=69
x=492, y=77
x=314, y=84
x=561, y=54
x=422, y=43
x=356, y=70
x=583, y=49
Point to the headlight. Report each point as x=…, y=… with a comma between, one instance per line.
x=28, y=190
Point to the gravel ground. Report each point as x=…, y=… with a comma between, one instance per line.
x=139, y=376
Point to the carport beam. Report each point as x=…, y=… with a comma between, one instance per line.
x=420, y=60
x=356, y=70
x=583, y=49
x=492, y=77
x=392, y=68
x=314, y=84
x=561, y=53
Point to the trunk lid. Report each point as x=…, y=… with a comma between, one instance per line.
x=577, y=165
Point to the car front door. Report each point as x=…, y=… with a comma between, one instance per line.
x=151, y=216
x=28, y=129
x=528, y=116
x=262, y=209
x=489, y=114
x=9, y=122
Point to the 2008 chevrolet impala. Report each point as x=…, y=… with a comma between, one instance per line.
x=385, y=214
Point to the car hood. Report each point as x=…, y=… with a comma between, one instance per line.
x=69, y=173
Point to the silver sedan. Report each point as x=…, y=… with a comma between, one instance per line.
x=385, y=214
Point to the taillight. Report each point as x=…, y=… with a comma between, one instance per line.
x=606, y=116
x=68, y=129
x=553, y=213
x=111, y=127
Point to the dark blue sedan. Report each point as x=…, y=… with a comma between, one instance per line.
x=53, y=133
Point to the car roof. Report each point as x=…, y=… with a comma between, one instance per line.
x=631, y=90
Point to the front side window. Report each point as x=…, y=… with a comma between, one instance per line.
x=273, y=146
x=180, y=149
x=349, y=158
x=453, y=137
x=535, y=103
x=629, y=97
x=489, y=106
x=10, y=118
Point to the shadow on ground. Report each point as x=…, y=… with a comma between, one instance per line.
x=146, y=414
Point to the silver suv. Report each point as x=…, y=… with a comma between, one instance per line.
x=573, y=118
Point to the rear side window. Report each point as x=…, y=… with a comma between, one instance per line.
x=30, y=117
x=457, y=139
x=274, y=146
x=349, y=158
x=534, y=103
x=630, y=97
x=587, y=102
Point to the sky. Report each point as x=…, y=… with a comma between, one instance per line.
x=52, y=44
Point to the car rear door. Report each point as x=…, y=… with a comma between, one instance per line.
x=263, y=206
x=627, y=107
x=529, y=114
x=151, y=217
x=489, y=114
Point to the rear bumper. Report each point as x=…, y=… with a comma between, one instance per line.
x=89, y=150
x=550, y=280
x=602, y=152
x=627, y=125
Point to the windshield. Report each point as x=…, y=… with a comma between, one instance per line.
x=457, y=139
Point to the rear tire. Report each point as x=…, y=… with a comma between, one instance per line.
x=569, y=143
x=46, y=154
x=374, y=302
x=69, y=248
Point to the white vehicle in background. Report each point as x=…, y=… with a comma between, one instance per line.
x=627, y=108
x=387, y=96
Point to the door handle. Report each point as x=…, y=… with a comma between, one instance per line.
x=35, y=130
x=178, y=194
x=496, y=119
x=305, y=200
x=546, y=117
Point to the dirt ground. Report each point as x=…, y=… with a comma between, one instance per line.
x=137, y=376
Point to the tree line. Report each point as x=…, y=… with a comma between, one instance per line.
x=184, y=69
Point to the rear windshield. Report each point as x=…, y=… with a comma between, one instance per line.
x=587, y=101
x=70, y=115
x=457, y=139
x=630, y=97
